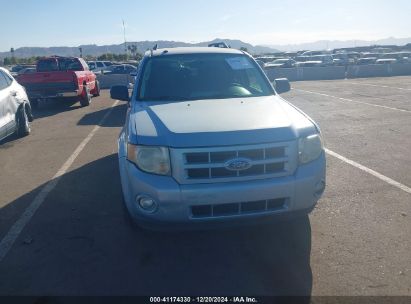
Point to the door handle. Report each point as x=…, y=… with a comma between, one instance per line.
x=13, y=93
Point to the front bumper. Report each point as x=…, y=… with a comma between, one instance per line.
x=46, y=95
x=176, y=203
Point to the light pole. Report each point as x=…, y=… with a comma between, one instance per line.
x=125, y=41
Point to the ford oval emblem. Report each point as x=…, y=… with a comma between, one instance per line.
x=238, y=164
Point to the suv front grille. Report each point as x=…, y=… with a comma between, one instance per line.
x=202, y=165
x=232, y=209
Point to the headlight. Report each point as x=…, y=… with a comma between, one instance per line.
x=309, y=148
x=151, y=159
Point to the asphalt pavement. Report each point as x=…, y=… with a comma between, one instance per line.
x=80, y=240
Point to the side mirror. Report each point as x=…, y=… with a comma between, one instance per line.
x=119, y=92
x=282, y=85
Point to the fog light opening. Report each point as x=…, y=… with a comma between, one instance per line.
x=146, y=203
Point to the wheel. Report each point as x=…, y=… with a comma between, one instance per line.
x=23, y=124
x=85, y=97
x=97, y=89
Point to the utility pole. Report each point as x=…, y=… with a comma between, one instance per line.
x=81, y=52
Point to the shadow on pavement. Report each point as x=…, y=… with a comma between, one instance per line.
x=7, y=142
x=83, y=243
x=53, y=107
x=116, y=118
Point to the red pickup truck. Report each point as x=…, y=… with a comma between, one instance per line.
x=57, y=77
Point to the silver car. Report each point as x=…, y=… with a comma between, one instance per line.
x=208, y=140
x=15, y=109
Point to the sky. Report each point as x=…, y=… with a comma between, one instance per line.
x=47, y=23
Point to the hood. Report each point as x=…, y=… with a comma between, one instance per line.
x=216, y=122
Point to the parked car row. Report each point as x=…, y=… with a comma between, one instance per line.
x=326, y=58
x=20, y=68
x=108, y=67
x=60, y=77
x=65, y=77
x=121, y=69
x=52, y=78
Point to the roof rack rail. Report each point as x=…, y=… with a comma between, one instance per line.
x=155, y=47
x=219, y=45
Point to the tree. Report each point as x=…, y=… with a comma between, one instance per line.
x=9, y=60
x=132, y=48
x=134, y=53
x=90, y=58
x=107, y=56
x=244, y=49
x=113, y=57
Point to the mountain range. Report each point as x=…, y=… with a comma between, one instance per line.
x=142, y=46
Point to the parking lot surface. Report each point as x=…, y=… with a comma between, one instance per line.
x=80, y=241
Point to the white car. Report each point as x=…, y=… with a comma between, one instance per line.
x=99, y=66
x=15, y=109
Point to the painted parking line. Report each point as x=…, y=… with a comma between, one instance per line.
x=376, y=85
x=370, y=171
x=341, y=99
x=14, y=232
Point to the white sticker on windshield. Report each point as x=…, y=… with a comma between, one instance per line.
x=239, y=63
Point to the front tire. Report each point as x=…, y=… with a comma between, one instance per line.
x=23, y=123
x=85, y=97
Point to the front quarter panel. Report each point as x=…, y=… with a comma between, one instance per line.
x=18, y=100
x=123, y=137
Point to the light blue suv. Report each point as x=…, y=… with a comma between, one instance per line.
x=208, y=140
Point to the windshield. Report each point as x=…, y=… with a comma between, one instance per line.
x=202, y=76
x=47, y=65
x=60, y=64
x=69, y=64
